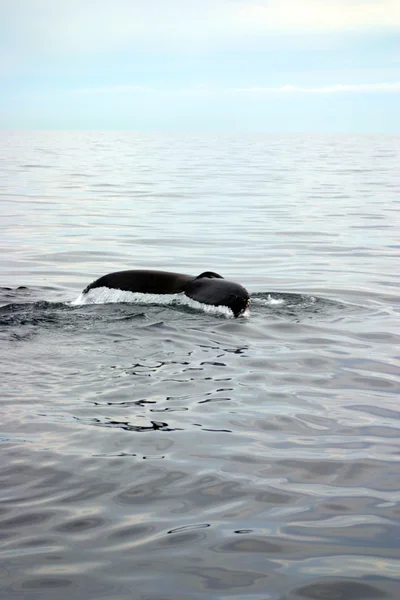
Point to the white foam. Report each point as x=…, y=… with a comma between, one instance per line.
x=104, y=295
x=274, y=301
x=269, y=301
x=78, y=301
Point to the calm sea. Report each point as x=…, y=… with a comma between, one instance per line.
x=162, y=453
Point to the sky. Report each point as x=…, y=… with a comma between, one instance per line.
x=273, y=66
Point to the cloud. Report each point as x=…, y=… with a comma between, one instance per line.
x=327, y=89
x=391, y=87
x=116, y=89
x=319, y=15
x=76, y=27
x=98, y=25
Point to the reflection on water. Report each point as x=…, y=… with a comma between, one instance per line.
x=159, y=452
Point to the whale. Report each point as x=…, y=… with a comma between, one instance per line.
x=207, y=288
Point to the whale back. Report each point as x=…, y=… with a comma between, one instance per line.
x=142, y=280
x=207, y=288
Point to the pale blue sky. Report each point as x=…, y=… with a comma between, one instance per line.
x=209, y=65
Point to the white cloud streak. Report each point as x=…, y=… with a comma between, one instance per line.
x=327, y=89
x=382, y=87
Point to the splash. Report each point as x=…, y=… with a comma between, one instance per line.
x=267, y=300
x=104, y=295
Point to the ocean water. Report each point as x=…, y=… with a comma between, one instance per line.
x=166, y=452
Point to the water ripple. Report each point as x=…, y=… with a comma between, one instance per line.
x=159, y=452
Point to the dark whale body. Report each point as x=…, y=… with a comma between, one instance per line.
x=208, y=288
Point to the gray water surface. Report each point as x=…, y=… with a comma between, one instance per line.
x=163, y=453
